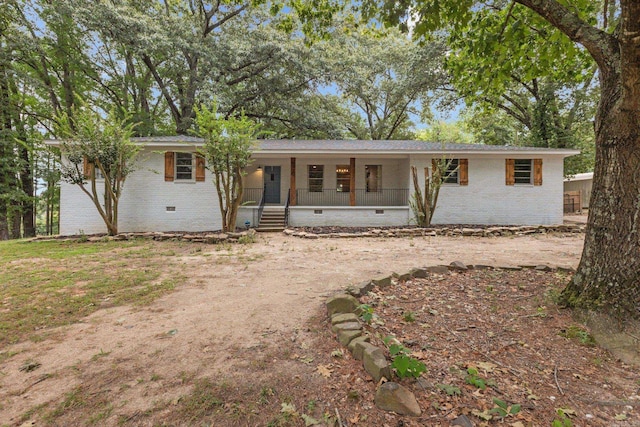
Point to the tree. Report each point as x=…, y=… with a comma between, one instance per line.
x=440, y=131
x=227, y=150
x=98, y=147
x=609, y=271
x=375, y=73
x=424, y=206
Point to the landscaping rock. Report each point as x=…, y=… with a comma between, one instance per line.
x=510, y=267
x=437, y=269
x=348, y=326
x=382, y=282
x=458, y=265
x=418, y=273
x=375, y=363
x=360, y=346
x=346, y=336
x=542, y=268
x=482, y=267
x=354, y=342
x=360, y=289
x=402, y=277
x=462, y=421
x=393, y=397
x=343, y=318
x=341, y=303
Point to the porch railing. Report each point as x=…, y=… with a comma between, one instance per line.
x=252, y=196
x=332, y=197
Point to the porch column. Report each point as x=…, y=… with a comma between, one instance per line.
x=292, y=183
x=352, y=181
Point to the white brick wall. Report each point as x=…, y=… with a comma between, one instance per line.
x=144, y=201
x=487, y=200
x=348, y=216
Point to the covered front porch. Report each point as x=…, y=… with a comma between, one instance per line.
x=328, y=190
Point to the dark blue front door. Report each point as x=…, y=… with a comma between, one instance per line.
x=272, y=184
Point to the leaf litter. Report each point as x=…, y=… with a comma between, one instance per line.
x=495, y=351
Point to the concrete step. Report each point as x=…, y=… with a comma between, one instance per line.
x=269, y=229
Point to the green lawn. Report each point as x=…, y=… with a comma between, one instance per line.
x=44, y=284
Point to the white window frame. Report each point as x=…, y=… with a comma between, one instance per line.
x=177, y=171
x=519, y=176
x=313, y=188
x=452, y=172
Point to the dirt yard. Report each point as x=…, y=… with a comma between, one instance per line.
x=235, y=309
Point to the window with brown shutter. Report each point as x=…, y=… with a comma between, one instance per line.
x=523, y=171
x=199, y=168
x=169, y=165
x=457, y=171
x=537, y=171
x=463, y=172
x=510, y=172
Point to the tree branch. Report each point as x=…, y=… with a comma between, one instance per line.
x=601, y=45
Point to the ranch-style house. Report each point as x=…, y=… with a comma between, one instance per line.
x=330, y=183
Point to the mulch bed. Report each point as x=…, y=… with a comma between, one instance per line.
x=505, y=326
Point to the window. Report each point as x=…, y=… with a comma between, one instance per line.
x=99, y=173
x=343, y=179
x=451, y=174
x=184, y=166
x=457, y=171
x=373, y=178
x=522, y=171
x=316, y=178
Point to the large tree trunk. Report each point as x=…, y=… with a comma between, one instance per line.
x=608, y=276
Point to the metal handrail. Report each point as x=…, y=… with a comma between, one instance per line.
x=261, y=208
x=286, y=209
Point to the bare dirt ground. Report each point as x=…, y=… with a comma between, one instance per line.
x=231, y=316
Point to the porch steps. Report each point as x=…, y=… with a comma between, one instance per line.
x=272, y=220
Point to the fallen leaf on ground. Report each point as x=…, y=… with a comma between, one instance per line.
x=325, y=370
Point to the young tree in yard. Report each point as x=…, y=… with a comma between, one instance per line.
x=608, y=275
x=424, y=205
x=94, y=149
x=227, y=150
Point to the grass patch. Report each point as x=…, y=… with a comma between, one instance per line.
x=202, y=401
x=579, y=334
x=46, y=284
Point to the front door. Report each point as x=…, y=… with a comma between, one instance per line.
x=272, y=184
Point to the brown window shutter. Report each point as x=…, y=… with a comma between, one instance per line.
x=199, y=168
x=434, y=168
x=463, y=171
x=169, y=162
x=510, y=176
x=86, y=167
x=537, y=171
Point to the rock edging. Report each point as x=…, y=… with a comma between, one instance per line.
x=210, y=238
x=444, y=231
x=343, y=310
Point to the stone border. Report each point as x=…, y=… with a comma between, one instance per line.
x=344, y=313
x=445, y=231
x=160, y=236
